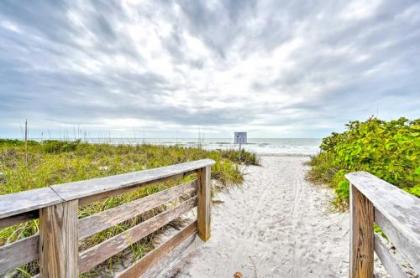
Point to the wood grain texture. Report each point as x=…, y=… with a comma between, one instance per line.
x=388, y=260
x=404, y=245
x=203, y=207
x=21, y=202
x=399, y=213
x=18, y=253
x=153, y=258
x=108, y=218
x=16, y=219
x=58, y=240
x=101, y=196
x=362, y=237
x=76, y=190
x=99, y=253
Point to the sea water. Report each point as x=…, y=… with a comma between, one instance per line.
x=276, y=146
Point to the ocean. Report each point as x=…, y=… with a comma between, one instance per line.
x=261, y=146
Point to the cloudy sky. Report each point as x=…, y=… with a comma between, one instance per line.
x=176, y=68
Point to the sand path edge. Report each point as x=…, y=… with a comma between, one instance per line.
x=276, y=225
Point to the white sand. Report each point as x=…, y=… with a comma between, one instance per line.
x=276, y=225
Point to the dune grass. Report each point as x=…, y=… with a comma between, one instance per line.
x=55, y=162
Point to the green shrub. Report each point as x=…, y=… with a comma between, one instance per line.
x=387, y=149
x=55, y=146
x=242, y=156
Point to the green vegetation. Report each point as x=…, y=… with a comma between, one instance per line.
x=55, y=162
x=387, y=149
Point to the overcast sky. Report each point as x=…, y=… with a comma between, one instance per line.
x=174, y=68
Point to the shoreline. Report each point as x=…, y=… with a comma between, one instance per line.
x=283, y=155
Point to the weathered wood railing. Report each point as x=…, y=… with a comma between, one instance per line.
x=56, y=246
x=397, y=213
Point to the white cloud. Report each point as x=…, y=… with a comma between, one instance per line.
x=275, y=68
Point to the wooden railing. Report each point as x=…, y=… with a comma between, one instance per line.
x=397, y=213
x=56, y=246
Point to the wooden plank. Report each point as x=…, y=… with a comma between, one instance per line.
x=21, y=202
x=203, y=208
x=77, y=190
x=153, y=258
x=362, y=242
x=406, y=247
x=17, y=219
x=110, y=247
x=58, y=240
x=101, y=196
x=399, y=213
x=387, y=259
x=108, y=218
x=18, y=253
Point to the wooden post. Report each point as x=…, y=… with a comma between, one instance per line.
x=58, y=231
x=26, y=143
x=203, y=207
x=362, y=236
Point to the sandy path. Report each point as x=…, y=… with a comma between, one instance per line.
x=276, y=225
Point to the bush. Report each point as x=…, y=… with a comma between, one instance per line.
x=242, y=156
x=55, y=146
x=387, y=149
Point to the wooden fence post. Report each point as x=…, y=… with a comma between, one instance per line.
x=362, y=235
x=58, y=231
x=203, y=207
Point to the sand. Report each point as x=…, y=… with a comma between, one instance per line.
x=275, y=225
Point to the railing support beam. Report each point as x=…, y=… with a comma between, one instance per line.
x=204, y=200
x=362, y=236
x=58, y=233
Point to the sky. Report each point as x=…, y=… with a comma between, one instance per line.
x=181, y=68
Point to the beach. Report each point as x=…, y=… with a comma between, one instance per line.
x=276, y=225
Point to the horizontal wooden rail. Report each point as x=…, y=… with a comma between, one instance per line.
x=21, y=202
x=56, y=245
x=111, y=217
x=142, y=265
x=397, y=213
x=116, y=244
x=18, y=253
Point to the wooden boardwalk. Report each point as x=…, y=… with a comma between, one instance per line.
x=56, y=246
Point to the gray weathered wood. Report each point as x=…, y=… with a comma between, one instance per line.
x=152, y=258
x=18, y=253
x=108, y=218
x=406, y=248
x=16, y=219
x=76, y=190
x=21, y=202
x=58, y=240
x=99, y=253
x=361, y=238
x=388, y=260
x=101, y=196
x=203, y=207
x=399, y=213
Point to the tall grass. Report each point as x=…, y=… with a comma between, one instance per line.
x=55, y=162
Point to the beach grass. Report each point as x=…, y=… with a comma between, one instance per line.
x=54, y=162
